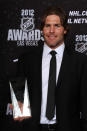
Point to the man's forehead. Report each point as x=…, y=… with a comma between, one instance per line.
x=52, y=19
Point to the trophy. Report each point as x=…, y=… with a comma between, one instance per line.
x=20, y=97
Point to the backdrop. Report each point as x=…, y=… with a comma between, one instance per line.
x=19, y=33
x=19, y=27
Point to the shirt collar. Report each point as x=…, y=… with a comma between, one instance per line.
x=59, y=50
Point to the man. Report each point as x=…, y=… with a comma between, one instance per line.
x=69, y=101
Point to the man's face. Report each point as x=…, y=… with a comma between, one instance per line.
x=53, y=31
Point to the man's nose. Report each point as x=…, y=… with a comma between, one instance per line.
x=52, y=29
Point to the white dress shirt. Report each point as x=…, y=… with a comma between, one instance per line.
x=45, y=76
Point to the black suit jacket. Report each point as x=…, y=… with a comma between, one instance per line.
x=71, y=90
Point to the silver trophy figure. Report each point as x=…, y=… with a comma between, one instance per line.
x=19, y=94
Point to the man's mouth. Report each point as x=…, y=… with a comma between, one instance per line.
x=51, y=37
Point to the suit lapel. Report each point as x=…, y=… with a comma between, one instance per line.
x=64, y=67
x=39, y=62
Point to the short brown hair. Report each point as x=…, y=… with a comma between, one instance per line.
x=55, y=11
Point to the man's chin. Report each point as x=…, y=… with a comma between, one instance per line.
x=53, y=46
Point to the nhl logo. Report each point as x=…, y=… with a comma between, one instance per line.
x=27, y=24
x=81, y=47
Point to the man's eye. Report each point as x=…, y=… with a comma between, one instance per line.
x=57, y=25
x=47, y=25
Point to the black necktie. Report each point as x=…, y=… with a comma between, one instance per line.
x=51, y=87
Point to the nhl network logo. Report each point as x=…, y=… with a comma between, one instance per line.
x=27, y=24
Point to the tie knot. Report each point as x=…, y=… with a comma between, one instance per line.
x=53, y=53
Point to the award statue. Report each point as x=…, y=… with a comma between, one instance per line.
x=20, y=98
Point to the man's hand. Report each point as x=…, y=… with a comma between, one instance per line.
x=22, y=118
x=21, y=108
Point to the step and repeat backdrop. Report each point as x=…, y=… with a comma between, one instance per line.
x=20, y=32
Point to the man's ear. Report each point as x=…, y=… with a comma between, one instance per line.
x=65, y=31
